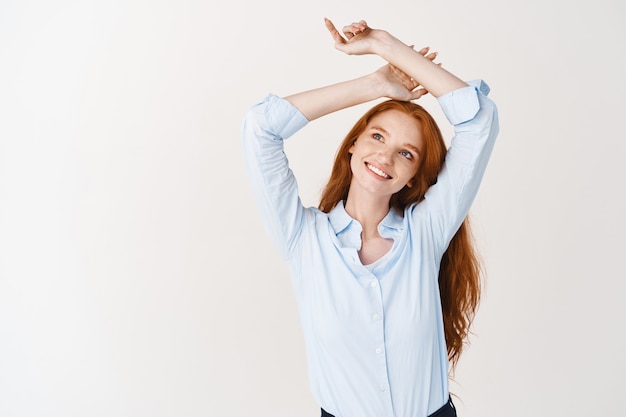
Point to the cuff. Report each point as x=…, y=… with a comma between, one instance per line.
x=462, y=104
x=283, y=117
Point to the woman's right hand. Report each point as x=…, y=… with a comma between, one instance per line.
x=398, y=85
x=395, y=84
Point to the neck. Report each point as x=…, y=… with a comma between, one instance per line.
x=368, y=210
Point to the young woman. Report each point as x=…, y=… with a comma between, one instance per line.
x=384, y=272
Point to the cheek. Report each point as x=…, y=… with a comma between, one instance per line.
x=353, y=162
x=411, y=175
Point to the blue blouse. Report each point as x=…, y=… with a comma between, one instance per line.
x=374, y=334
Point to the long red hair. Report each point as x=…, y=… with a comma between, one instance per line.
x=459, y=273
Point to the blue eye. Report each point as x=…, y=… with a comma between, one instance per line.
x=407, y=154
x=377, y=136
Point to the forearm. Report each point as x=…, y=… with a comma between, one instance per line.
x=431, y=76
x=319, y=102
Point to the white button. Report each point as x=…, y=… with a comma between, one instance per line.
x=373, y=284
x=378, y=350
x=382, y=387
x=376, y=316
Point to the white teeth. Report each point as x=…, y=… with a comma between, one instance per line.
x=377, y=171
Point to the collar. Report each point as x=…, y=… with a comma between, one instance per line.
x=393, y=221
x=348, y=230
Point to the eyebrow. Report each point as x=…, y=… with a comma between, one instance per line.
x=406, y=144
x=413, y=148
x=381, y=129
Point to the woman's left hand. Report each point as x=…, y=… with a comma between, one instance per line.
x=359, y=38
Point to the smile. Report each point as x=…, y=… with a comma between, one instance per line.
x=377, y=171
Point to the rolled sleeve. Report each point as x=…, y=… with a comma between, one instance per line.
x=282, y=117
x=462, y=104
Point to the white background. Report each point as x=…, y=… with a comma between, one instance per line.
x=136, y=278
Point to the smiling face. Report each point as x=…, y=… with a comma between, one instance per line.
x=386, y=155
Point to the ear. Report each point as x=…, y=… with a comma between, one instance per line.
x=351, y=149
x=410, y=183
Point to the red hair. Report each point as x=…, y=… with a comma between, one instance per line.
x=459, y=273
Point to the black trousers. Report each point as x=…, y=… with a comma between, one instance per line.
x=447, y=410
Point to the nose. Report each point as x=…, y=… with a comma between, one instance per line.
x=385, y=157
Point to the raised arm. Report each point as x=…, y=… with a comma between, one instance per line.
x=360, y=39
x=388, y=81
x=270, y=122
x=473, y=115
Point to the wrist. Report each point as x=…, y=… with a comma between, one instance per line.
x=384, y=42
x=376, y=84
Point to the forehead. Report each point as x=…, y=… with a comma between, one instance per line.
x=398, y=126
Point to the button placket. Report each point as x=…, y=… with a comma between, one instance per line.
x=376, y=298
x=377, y=317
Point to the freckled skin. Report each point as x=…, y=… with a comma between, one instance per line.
x=408, y=75
x=386, y=150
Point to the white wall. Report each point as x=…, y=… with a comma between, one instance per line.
x=135, y=276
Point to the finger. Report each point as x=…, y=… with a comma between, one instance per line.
x=424, y=50
x=354, y=29
x=432, y=56
x=351, y=30
x=418, y=93
x=359, y=26
x=408, y=82
x=333, y=31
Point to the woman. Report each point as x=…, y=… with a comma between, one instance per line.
x=384, y=273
